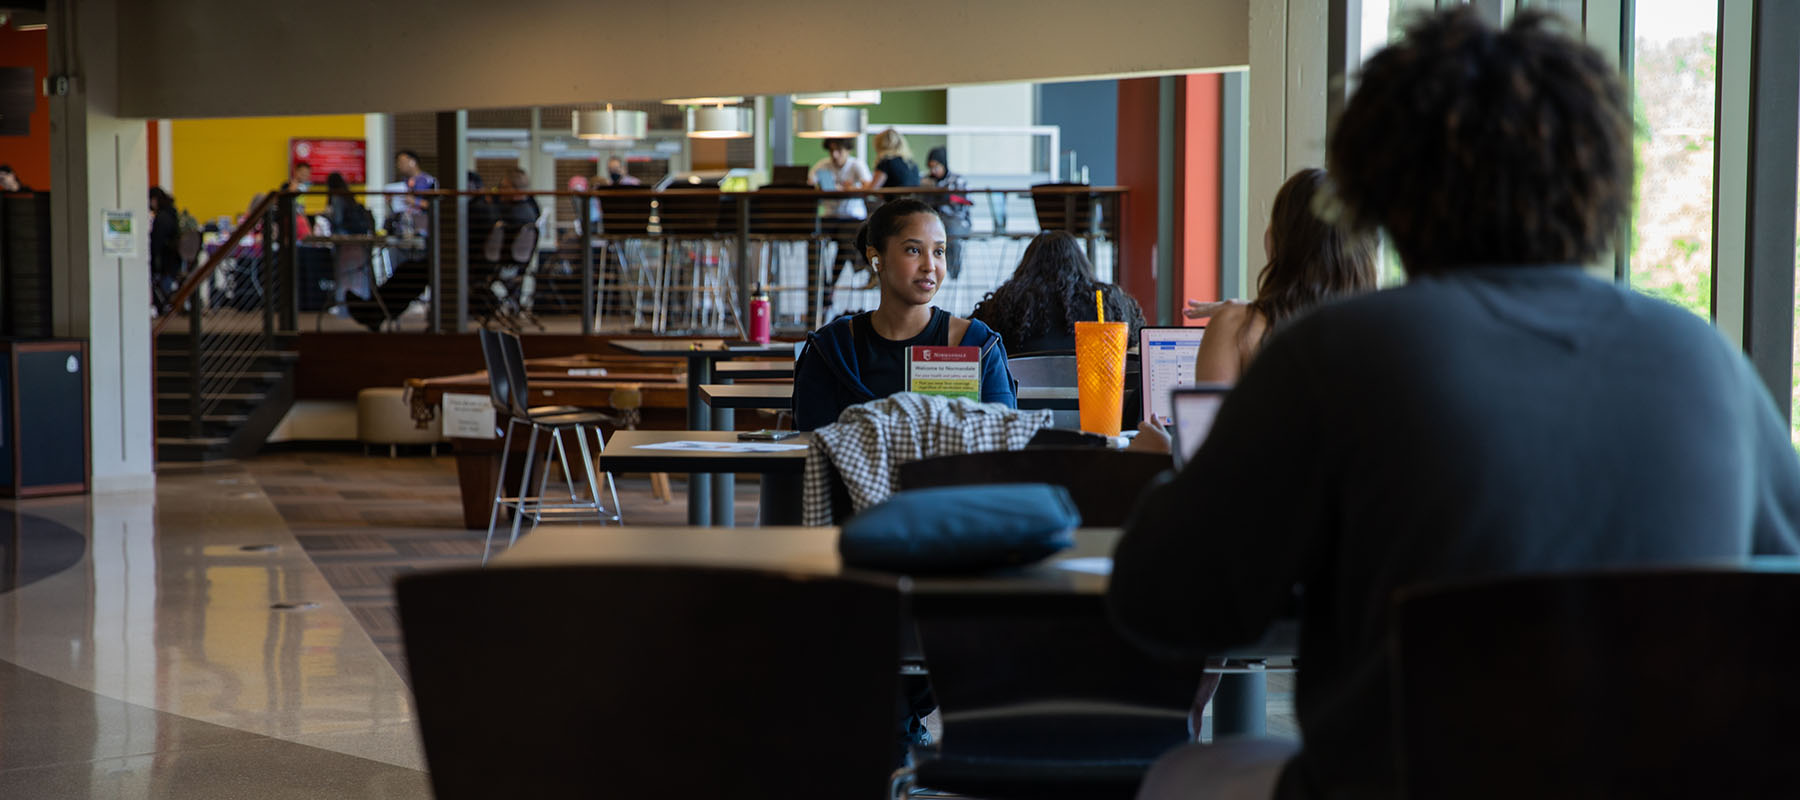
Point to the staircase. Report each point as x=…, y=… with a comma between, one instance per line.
x=237, y=411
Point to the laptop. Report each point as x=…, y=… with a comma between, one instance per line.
x=1195, y=407
x=1167, y=358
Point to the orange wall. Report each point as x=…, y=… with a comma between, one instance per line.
x=1197, y=197
x=1137, y=167
x=29, y=155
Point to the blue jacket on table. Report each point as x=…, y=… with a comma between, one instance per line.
x=827, y=380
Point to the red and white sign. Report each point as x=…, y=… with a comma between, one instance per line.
x=346, y=156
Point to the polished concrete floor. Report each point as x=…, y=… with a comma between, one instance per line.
x=232, y=635
x=148, y=650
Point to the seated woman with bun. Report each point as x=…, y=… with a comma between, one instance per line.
x=856, y=359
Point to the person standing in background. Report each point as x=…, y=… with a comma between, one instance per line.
x=615, y=172
x=348, y=218
x=165, y=252
x=953, y=207
x=840, y=219
x=893, y=161
x=299, y=180
x=415, y=208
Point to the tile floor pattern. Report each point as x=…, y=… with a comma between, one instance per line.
x=153, y=664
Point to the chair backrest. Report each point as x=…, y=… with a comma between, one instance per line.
x=1074, y=211
x=624, y=214
x=1043, y=369
x=499, y=382
x=188, y=246
x=1675, y=683
x=784, y=213
x=495, y=245
x=524, y=245
x=1105, y=484
x=689, y=212
x=518, y=385
x=529, y=681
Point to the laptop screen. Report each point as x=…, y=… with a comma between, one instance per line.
x=1168, y=363
x=1195, y=409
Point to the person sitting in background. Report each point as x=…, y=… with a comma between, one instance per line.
x=1311, y=261
x=9, y=180
x=348, y=218
x=860, y=358
x=299, y=180
x=954, y=208
x=1501, y=413
x=1036, y=309
x=893, y=161
x=415, y=216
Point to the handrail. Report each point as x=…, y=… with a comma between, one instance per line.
x=198, y=275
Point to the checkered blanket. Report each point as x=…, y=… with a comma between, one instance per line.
x=869, y=442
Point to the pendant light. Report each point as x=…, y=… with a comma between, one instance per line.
x=704, y=101
x=826, y=122
x=856, y=98
x=720, y=122
x=611, y=125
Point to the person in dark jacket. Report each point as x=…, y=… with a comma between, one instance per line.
x=1502, y=413
x=860, y=358
x=165, y=249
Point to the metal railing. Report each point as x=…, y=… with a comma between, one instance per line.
x=616, y=259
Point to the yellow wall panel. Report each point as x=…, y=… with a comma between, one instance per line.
x=218, y=165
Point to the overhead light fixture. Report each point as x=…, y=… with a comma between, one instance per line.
x=703, y=101
x=610, y=125
x=857, y=98
x=826, y=122
x=720, y=122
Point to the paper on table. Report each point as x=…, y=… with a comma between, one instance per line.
x=723, y=447
x=580, y=372
x=1095, y=565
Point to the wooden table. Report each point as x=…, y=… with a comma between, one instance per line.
x=478, y=460
x=1238, y=707
x=781, y=471
x=728, y=371
x=781, y=395
x=705, y=495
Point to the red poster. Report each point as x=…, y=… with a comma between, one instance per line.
x=347, y=156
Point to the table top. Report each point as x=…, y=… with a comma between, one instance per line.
x=737, y=370
x=701, y=348
x=1078, y=570
x=622, y=454
x=781, y=395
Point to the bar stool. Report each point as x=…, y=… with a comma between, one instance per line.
x=785, y=217
x=510, y=393
x=625, y=214
x=695, y=218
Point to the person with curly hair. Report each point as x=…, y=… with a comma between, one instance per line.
x=1053, y=288
x=1504, y=412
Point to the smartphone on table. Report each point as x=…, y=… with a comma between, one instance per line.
x=766, y=436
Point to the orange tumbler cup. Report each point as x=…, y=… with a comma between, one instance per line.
x=1100, y=375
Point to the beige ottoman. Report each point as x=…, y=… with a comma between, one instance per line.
x=382, y=417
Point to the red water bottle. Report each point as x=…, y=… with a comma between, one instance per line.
x=759, y=316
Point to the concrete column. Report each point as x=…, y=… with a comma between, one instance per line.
x=101, y=161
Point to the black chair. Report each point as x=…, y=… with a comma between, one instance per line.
x=1040, y=698
x=1676, y=683
x=1065, y=207
x=652, y=681
x=552, y=420
x=408, y=282
x=1105, y=484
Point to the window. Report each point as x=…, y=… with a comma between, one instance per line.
x=1674, y=76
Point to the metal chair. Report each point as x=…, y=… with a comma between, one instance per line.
x=537, y=682
x=1654, y=683
x=511, y=395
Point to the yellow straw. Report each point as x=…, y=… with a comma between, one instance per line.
x=1099, y=307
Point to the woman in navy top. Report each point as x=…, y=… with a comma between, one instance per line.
x=860, y=358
